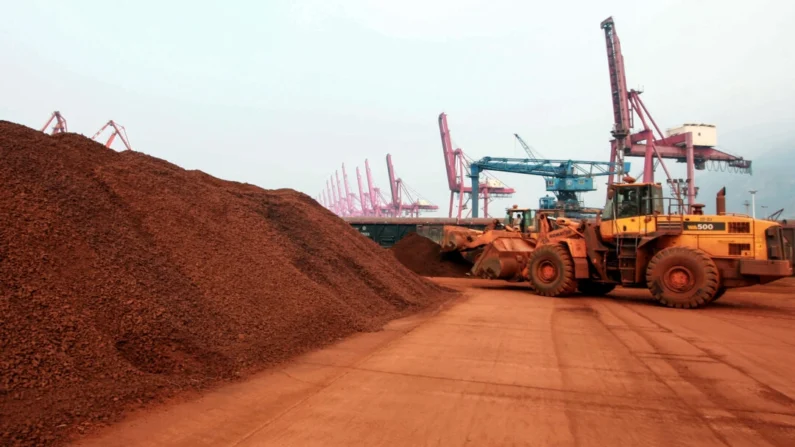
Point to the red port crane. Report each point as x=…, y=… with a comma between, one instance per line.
x=378, y=204
x=679, y=146
x=348, y=195
x=118, y=131
x=342, y=202
x=394, y=188
x=400, y=190
x=369, y=202
x=363, y=205
x=372, y=191
x=332, y=201
x=457, y=166
x=335, y=199
x=58, y=127
x=355, y=205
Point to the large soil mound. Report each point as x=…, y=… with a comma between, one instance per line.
x=124, y=278
x=424, y=257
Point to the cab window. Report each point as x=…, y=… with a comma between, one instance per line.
x=528, y=224
x=657, y=201
x=651, y=201
x=628, y=203
x=607, y=213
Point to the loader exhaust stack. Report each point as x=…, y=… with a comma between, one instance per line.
x=720, y=202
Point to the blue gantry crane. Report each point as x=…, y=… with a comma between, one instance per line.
x=564, y=178
x=547, y=202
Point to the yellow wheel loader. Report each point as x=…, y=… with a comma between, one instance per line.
x=641, y=239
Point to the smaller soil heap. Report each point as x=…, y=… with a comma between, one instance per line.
x=424, y=257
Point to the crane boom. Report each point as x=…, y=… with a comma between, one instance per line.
x=457, y=167
x=60, y=123
x=362, y=200
x=678, y=144
x=118, y=130
x=526, y=147
x=618, y=87
x=374, y=193
x=348, y=198
x=402, y=198
x=449, y=153
x=394, y=186
x=341, y=198
x=335, y=198
x=565, y=178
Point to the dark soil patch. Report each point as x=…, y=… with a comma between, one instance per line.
x=424, y=257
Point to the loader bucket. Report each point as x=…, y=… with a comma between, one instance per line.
x=504, y=258
x=457, y=238
x=432, y=232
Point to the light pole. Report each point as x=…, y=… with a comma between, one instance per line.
x=753, y=203
x=764, y=213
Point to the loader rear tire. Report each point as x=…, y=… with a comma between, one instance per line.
x=593, y=288
x=681, y=277
x=551, y=271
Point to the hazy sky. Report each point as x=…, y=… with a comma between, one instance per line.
x=280, y=93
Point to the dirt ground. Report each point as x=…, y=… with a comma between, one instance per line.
x=500, y=366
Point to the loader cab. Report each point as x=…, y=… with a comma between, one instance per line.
x=627, y=206
x=633, y=200
x=523, y=218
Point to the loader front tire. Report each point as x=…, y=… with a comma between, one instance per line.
x=681, y=277
x=551, y=271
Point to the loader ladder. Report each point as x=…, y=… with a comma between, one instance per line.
x=628, y=259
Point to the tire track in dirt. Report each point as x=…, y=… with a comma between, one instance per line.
x=584, y=316
x=652, y=373
x=710, y=389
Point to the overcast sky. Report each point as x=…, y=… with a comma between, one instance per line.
x=280, y=93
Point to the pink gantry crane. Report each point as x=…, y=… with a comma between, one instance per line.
x=357, y=204
x=364, y=207
x=332, y=200
x=341, y=201
x=378, y=203
x=457, y=166
x=327, y=197
x=335, y=199
x=118, y=131
x=58, y=127
x=349, y=197
x=680, y=144
x=400, y=190
x=340, y=197
x=371, y=201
